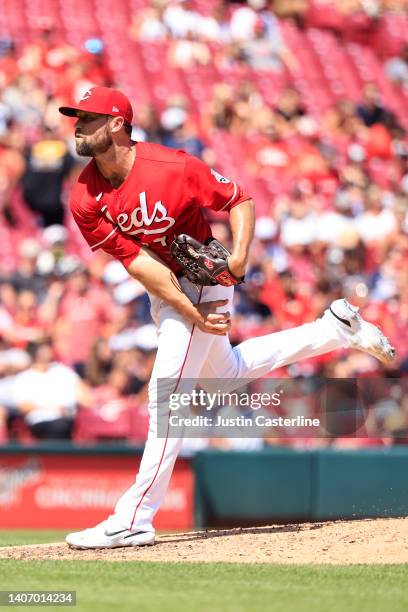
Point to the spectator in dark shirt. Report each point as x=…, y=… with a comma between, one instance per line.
x=290, y=105
x=179, y=133
x=26, y=275
x=147, y=126
x=48, y=164
x=371, y=110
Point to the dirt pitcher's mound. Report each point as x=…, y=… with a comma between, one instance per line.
x=343, y=542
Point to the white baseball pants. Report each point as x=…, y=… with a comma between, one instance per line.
x=185, y=352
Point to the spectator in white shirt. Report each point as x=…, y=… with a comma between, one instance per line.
x=181, y=20
x=333, y=224
x=47, y=394
x=397, y=68
x=148, y=23
x=299, y=228
x=377, y=223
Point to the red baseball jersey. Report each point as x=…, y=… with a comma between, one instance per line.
x=163, y=196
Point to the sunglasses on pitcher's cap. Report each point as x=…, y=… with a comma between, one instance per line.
x=103, y=101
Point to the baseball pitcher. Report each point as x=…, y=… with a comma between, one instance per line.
x=143, y=204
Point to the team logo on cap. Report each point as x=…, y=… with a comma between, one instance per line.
x=86, y=95
x=115, y=109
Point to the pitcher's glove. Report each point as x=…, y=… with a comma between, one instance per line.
x=203, y=264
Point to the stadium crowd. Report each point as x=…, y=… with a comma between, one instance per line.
x=76, y=340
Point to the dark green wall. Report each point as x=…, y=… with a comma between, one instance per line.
x=358, y=484
x=288, y=485
x=230, y=486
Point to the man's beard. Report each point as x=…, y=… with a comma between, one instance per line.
x=86, y=148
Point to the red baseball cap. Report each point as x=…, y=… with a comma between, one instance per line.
x=102, y=100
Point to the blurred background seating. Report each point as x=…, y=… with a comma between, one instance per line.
x=303, y=102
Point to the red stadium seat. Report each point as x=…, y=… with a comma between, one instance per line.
x=127, y=422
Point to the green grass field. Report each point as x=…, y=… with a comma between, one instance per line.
x=19, y=537
x=202, y=587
